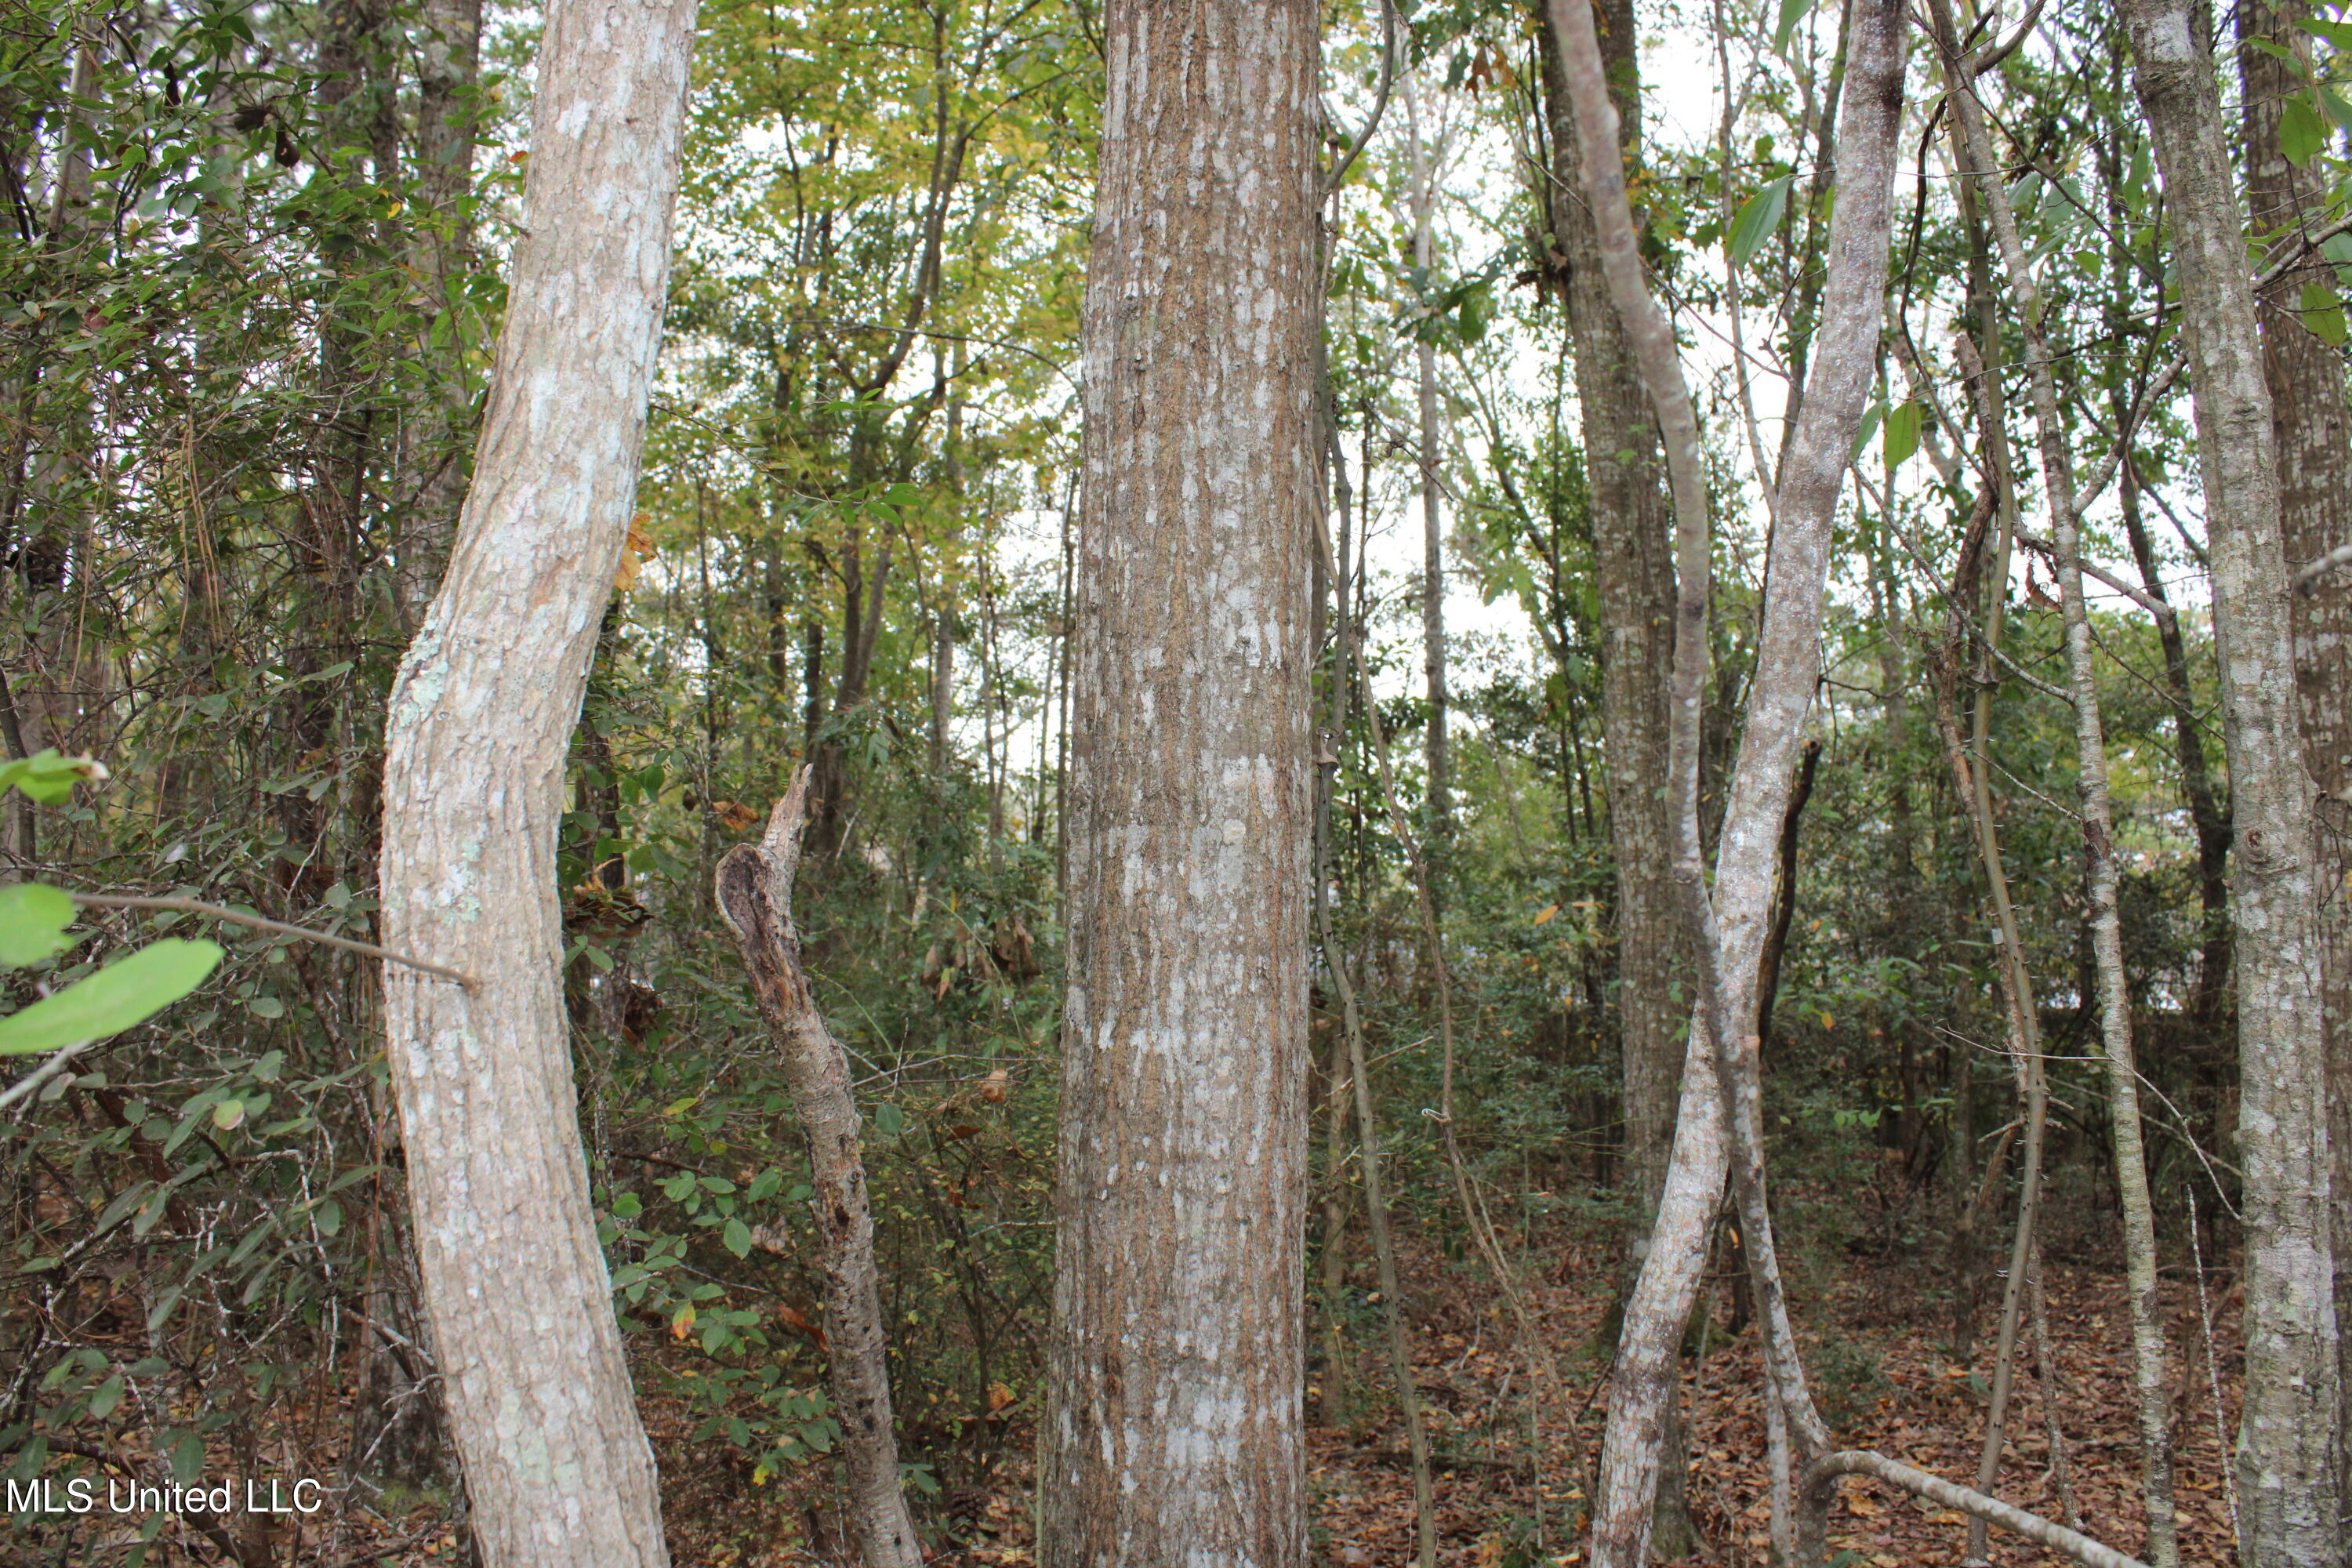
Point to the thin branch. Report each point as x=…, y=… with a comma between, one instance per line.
x=239, y=917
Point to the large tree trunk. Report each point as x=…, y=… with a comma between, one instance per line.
x=2287, y=1443
x=541, y=1405
x=2314, y=429
x=1173, y=1429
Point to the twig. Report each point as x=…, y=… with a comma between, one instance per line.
x=239, y=917
x=42, y=1074
x=2311, y=571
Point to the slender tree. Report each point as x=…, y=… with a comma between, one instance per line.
x=540, y=1401
x=2313, y=425
x=2289, y=1436
x=1175, y=1368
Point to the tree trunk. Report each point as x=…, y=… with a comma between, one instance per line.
x=1173, y=1430
x=1438, y=755
x=755, y=894
x=541, y=1405
x=1634, y=567
x=1633, y=571
x=2288, y=1440
x=448, y=54
x=2314, y=429
x=1723, y=1045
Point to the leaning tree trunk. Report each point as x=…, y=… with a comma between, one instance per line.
x=1173, y=1431
x=557, y=1466
x=2288, y=1440
x=2314, y=427
x=755, y=894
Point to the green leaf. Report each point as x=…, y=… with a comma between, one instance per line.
x=1793, y=12
x=188, y=1459
x=48, y=776
x=1901, y=436
x=890, y=1120
x=1758, y=220
x=33, y=921
x=112, y=1000
x=737, y=1238
x=2302, y=134
x=2337, y=33
x=1870, y=422
x=108, y=1396
x=2322, y=310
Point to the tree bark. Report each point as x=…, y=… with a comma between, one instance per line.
x=1633, y=572
x=755, y=894
x=1173, y=1429
x=2312, y=426
x=1633, y=568
x=1437, y=753
x=1723, y=1045
x=540, y=1399
x=448, y=56
x=2288, y=1440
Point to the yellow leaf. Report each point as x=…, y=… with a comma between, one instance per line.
x=1828, y=1022
x=683, y=1324
x=635, y=551
x=1549, y=911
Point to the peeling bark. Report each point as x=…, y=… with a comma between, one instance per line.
x=755, y=894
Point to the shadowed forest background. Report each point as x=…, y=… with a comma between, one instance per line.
x=253, y=264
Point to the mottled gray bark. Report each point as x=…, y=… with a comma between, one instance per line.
x=1633, y=568
x=2313, y=425
x=755, y=894
x=1729, y=934
x=1173, y=1428
x=2289, y=1438
x=1633, y=572
x=540, y=1399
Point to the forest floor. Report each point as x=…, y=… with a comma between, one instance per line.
x=1877, y=1343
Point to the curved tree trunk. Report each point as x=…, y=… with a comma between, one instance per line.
x=1633, y=568
x=1173, y=1429
x=1721, y=1072
x=2289, y=1436
x=557, y=1466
